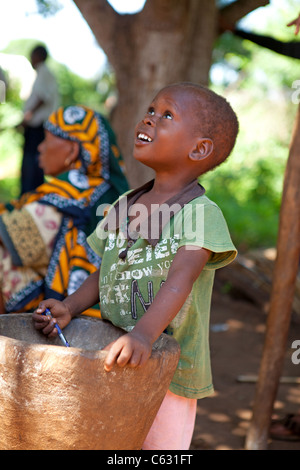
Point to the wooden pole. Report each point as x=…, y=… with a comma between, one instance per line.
x=2, y=307
x=282, y=294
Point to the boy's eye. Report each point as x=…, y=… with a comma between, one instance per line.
x=151, y=111
x=168, y=115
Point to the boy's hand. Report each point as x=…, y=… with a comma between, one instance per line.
x=60, y=313
x=132, y=349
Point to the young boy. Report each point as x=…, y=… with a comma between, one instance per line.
x=160, y=246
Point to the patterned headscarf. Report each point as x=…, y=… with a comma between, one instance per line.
x=98, y=168
x=83, y=125
x=97, y=177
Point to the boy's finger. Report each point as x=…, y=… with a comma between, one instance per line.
x=144, y=358
x=108, y=346
x=37, y=317
x=111, y=357
x=50, y=329
x=40, y=321
x=136, y=359
x=125, y=356
x=40, y=309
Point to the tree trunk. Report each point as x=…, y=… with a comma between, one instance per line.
x=167, y=42
x=283, y=288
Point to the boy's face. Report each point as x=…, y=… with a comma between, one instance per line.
x=166, y=136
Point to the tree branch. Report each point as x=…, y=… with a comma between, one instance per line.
x=230, y=14
x=101, y=18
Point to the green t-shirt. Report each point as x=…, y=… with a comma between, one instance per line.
x=128, y=286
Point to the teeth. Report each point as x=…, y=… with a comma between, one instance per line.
x=144, y=137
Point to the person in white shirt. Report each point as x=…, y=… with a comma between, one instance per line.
x=42, y=101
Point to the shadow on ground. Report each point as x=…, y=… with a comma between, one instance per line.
x=237, y=338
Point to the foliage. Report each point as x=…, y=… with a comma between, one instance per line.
x=248, y=186
x=11, y=142
x=250, y=199
x=48, y=8
x=257, y=82
x=73, y=89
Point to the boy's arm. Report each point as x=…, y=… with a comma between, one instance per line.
x=135, y=347
x=85, y=297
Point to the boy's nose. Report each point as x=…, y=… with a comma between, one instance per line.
x=149, y=120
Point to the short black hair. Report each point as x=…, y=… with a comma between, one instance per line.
x=216, y=120
x=41, y=52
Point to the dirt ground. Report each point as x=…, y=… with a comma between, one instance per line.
x=237, y=337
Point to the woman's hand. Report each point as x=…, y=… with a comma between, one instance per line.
x=60, y=313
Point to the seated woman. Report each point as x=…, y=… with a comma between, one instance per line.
x=43, y=249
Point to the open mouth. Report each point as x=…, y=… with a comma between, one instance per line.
x=144, y=137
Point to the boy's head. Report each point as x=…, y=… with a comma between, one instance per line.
x=186, y=120
x=215, y=119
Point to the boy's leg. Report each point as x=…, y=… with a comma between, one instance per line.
x=174, y=424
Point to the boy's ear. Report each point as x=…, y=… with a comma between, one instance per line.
x=202, y=150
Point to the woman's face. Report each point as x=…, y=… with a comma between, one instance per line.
x=56, y=154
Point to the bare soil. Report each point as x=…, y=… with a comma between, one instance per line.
x=237, y=338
